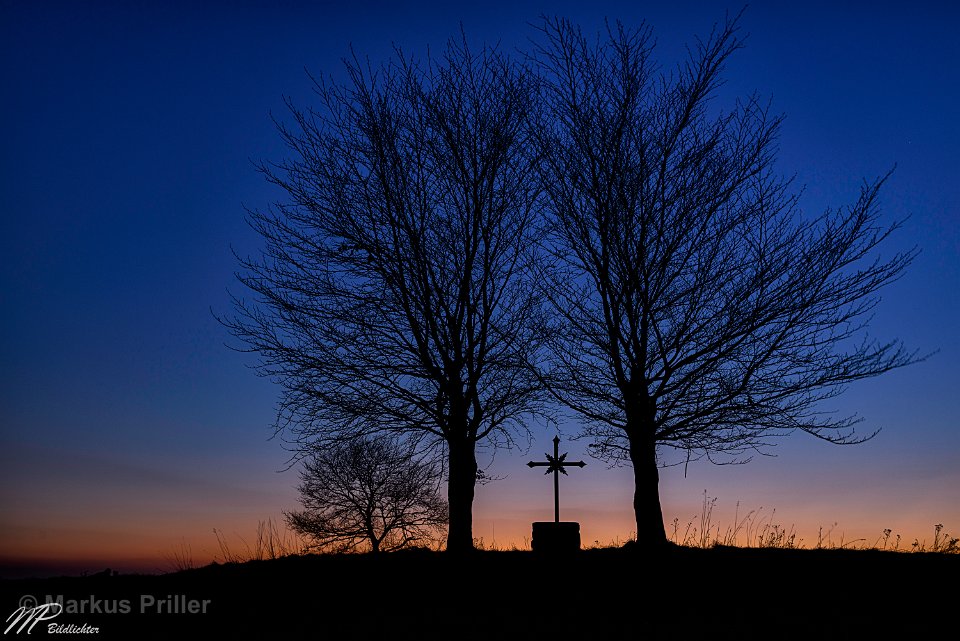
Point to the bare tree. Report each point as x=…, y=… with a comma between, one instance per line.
x=393, y=295
x=368, y=492
x=696, y=307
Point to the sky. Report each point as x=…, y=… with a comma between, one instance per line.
x=129, y=431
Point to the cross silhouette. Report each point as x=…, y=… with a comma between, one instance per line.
x=555, y=464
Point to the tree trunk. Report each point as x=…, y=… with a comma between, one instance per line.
x=368, y=523
x=646, y=493
x=460, y=490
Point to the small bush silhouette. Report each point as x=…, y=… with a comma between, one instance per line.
x=368, y=494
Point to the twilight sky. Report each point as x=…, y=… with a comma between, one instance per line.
x=127, y=429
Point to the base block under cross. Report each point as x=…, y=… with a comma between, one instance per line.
x=553, y=536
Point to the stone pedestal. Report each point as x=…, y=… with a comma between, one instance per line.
x=550, y=536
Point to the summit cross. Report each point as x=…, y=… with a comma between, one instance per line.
x=556, y=464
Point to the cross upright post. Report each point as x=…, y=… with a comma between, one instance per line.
x=556, y=464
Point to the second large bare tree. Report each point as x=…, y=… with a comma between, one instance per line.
x=696, y=308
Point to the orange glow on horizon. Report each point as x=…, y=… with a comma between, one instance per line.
x=132, y=518
x=129, y=549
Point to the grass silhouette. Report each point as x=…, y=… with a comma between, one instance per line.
x=756, y=529
x=750, y=579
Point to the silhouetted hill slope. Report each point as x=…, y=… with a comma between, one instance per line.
x=614, y=593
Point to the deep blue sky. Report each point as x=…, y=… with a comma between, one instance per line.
x=128, y=135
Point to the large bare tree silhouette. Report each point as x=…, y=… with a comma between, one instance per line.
x=695, y=307
x=393, y=295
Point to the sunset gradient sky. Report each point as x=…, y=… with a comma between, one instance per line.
x=128, y=430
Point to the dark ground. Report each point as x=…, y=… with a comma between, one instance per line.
x=723, y=593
